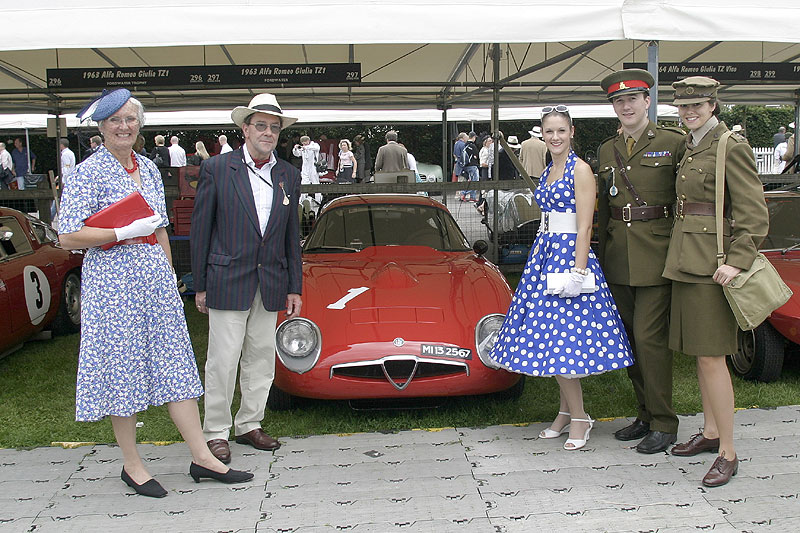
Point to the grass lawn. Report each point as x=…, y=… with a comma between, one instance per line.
x=37, y=400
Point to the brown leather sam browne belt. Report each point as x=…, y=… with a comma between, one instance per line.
x=694, y=208
x=645, y=212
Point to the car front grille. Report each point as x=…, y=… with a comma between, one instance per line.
x=400, y=370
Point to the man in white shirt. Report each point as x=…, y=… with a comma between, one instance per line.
x=177, y=155
x=67, y=161
x=224, y=147
x=6, y=164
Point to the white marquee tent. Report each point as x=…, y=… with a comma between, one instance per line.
x=414, y=55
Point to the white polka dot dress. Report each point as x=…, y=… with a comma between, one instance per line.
x=546, y=335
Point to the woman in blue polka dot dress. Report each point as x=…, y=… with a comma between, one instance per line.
x=568, y=333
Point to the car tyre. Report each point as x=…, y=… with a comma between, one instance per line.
x=68, y=318
x=760, y=354
x=279, y=400
x=512, y=393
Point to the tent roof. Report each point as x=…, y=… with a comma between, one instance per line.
x=413, y=55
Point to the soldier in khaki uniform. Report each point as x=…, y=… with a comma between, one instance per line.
x=701, y=321
x=634, y=223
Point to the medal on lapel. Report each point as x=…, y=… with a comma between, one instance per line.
x=285, y=196
x=613, y=191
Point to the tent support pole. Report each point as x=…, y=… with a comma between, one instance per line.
x=495, y=129
x=652, y=68
x=445, y=152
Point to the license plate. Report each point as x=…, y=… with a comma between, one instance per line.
x=438, y=350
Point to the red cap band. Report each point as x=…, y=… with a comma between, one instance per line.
x=629, y=84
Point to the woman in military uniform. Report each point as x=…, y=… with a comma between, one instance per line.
x=701, y=321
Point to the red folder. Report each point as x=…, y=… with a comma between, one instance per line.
x=121, y=213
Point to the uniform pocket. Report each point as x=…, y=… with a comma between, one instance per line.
x=698, y=251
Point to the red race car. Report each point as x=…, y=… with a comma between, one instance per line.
x=761, y=351
x=395, y=305
x=40, y=283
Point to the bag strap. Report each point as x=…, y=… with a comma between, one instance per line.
x=628, y=184
x=719, y=186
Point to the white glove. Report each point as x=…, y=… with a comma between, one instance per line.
x=573, y=286
x=138, y=228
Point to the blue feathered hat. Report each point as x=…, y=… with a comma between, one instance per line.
x=105, y=105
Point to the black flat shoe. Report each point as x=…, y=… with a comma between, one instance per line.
x=151, y=487
x=231, y=476
x=656, y=441
x=636, y=430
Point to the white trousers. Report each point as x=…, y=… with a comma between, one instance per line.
x=243, y=339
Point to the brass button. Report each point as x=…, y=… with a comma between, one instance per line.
x=683, y=178
x=259, y=265
x=683, y=197
x=656, y=164
x=681, y=217
x=688, y=159
x=705, y=229
x=628, y=167
x=628, y=224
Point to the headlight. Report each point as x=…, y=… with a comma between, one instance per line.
x=486, y=335
x=298, y=342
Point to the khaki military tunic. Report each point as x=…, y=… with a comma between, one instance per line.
x=634, y=253
x=692, y=255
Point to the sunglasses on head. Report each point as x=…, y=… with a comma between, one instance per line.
x=558, y=109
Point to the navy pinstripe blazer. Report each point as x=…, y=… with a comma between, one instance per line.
x=229, y=256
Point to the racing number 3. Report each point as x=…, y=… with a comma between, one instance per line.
x=39, y=301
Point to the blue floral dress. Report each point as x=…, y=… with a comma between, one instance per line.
x=135, y=349
x=546, y=335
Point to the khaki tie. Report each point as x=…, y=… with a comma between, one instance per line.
x=630, y=142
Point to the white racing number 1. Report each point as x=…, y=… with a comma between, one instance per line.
x=351, y=293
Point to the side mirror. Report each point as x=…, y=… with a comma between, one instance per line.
x=480, y=247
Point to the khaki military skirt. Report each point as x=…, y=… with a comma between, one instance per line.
x=701, y=321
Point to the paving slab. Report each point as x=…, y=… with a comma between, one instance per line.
x=499, y=479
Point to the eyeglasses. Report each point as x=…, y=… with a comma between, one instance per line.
x=558, y=109
x=262, y=126
x=119, y=121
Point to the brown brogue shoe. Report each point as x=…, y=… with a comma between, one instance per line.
x=697, y=444
x=259, y=440
x=220, y=449
x=721, y=472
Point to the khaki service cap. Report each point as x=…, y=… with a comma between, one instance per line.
x=627, y=81
x=695, y=90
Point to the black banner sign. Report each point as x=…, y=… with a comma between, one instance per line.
x=204, y=76
x=773, y=72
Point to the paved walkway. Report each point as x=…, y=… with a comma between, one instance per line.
x=495, y=479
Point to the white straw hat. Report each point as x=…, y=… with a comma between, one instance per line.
x=262, y=103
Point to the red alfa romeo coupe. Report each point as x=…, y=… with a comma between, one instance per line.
x=395, y=305
x=40, y=284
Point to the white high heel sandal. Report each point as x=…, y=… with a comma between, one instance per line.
x=552, y=433
x=577, y=444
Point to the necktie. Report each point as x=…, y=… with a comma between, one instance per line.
x=630, y=142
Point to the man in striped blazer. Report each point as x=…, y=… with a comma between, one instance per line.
x=245, y=247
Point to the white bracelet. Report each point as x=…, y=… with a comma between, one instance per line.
x=581, y=271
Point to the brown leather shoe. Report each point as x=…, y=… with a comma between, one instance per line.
x=258, y=440
x=220, y=449
x=721, y=472
x=697, y=444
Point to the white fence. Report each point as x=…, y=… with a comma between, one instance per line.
x=764, y=159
